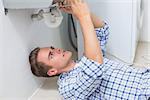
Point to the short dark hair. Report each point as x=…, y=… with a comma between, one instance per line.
x=39, y=69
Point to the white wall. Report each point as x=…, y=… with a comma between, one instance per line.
x=1, y=63
x=148, y=10
x=18, y=36
x=145, y=34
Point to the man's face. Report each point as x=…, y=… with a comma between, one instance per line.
x=54, y=57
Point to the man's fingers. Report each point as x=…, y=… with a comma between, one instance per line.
x=60, y=5
x=65, y=2
x=78, y=1
x=66, y=9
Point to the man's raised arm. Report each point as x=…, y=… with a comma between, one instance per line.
x=80, y=10
x=91, y=43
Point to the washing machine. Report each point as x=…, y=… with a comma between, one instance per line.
x=125, y=21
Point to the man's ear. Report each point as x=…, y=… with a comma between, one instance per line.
x=52, y=72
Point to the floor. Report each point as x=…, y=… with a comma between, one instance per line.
x=49, y=90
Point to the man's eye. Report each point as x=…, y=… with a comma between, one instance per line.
x=52, y=47
x=51, y=55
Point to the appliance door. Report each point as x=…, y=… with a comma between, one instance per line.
x=119, y=15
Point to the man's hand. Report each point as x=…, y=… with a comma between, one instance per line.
x=78, y=8
x=65, y=7
x=81, y=11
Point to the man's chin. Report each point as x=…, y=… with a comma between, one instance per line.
x=69, y=53
x=69, y=56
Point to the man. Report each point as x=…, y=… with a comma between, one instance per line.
x=93, y=77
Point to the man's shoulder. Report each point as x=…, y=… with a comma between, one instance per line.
x=84, y=60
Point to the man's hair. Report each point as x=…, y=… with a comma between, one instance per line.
x=39, y=69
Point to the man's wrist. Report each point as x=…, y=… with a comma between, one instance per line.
x=84, y=18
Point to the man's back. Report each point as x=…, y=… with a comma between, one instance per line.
x=90, y=80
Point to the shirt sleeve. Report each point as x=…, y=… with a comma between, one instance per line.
x=102, y=35
x=89, y=79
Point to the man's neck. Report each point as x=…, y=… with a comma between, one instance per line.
x=69, y=67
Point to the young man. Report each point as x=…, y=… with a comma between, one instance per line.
x=93, y=77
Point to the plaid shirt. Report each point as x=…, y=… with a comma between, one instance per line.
x=102, y=35
x=89, y=80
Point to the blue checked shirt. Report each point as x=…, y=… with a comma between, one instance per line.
x=89, y=80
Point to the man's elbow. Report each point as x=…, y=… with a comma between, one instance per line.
x=99, y=59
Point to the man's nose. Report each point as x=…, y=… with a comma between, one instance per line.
x=58, y=51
